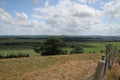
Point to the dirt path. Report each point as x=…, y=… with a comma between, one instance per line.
x=72, y=70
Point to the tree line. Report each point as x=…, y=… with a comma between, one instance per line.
x=53, y=46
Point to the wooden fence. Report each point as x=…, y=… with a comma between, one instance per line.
x=105, y=63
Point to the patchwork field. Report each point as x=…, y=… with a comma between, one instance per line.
x=62, y=67
x=89, y=47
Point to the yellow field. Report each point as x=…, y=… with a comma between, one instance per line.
x=62, y=67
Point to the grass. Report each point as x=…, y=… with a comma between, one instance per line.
x=29, y=52
x=88, y=47
x=114, y=73
x=118, y=58
x=98, y=46
x=94, y=47
x=13, y=69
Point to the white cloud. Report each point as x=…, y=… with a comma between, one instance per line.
x=4, y=16
x=112, y=9
x=83, y=1
x=22, y=20
x=46, y=3
x=21, y=16
x=21, y=24
x=90, y=1
x=112, y=29
x=70, y=17
x=67, y=17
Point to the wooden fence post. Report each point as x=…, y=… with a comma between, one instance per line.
x=103, y=58
x=99, y=74
x=105, y=63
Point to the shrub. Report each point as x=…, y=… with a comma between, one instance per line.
x=101, y=51
x=14, y=56
x=77, y=50
x=0, y=56
x=37, y=49
x=64, y=52
x=118, y=50
x=93, y=52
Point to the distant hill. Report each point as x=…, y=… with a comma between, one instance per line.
x=65, y=37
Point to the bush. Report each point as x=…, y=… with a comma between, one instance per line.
x=93, y=52
x=118, y=50
x=77, y=50
x=101, y=51
x=0, y=56
x=14, y=56
x=37, y=49
x=64, y=52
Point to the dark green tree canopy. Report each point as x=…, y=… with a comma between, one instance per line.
x=54, y=43
x=77, y=50
x=51, y=46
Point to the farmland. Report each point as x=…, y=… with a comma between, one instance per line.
x=89, y=47
x=59, y=67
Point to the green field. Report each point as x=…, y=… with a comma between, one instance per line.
x=89, y=47
x=35, y=67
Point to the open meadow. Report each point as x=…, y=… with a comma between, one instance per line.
x=89, y=47
x=62, y=67
x=58, y=67
x=59, y=39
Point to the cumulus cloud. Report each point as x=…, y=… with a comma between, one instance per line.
x=112, y=9
x=82, y=1
x=21, y=24
x=112, y=29
x=66, y=17
x=69, y=17
x=22, y=20
x=89, y=1
x=21, y=16
x=46, y=3
x=4, y=16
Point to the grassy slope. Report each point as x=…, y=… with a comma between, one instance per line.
x=114, y=73
x=13, y=69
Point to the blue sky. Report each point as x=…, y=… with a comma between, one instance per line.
x=59, y=17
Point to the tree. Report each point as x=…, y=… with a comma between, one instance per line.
x=52, y=46
x=77, y=50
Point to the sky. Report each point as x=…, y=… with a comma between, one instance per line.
x=60, y=17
